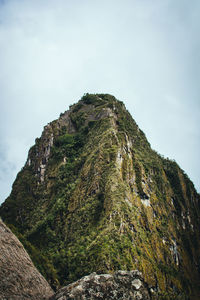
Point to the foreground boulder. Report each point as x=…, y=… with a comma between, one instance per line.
x=19, y=279
x=121, y=285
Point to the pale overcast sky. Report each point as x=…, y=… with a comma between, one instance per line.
x=144, y=52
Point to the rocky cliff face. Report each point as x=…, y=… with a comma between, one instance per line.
x=94, y=197
x=19, y=279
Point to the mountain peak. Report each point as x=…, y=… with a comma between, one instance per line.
x=94, y=197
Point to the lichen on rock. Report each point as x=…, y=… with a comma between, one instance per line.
x=122, y=285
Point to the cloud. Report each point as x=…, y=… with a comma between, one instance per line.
x=143, y=52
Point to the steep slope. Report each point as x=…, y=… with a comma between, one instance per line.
x=19, y=279
x=94, y=196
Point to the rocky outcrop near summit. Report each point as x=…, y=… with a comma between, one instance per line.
x=121, y=285
x=19, y=279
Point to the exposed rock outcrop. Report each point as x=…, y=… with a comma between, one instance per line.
x=121, y=285
x=19, y=279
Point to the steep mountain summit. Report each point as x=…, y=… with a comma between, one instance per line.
x=94, y=197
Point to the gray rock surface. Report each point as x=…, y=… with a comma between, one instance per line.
x=19, y=279
x=121, y=285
